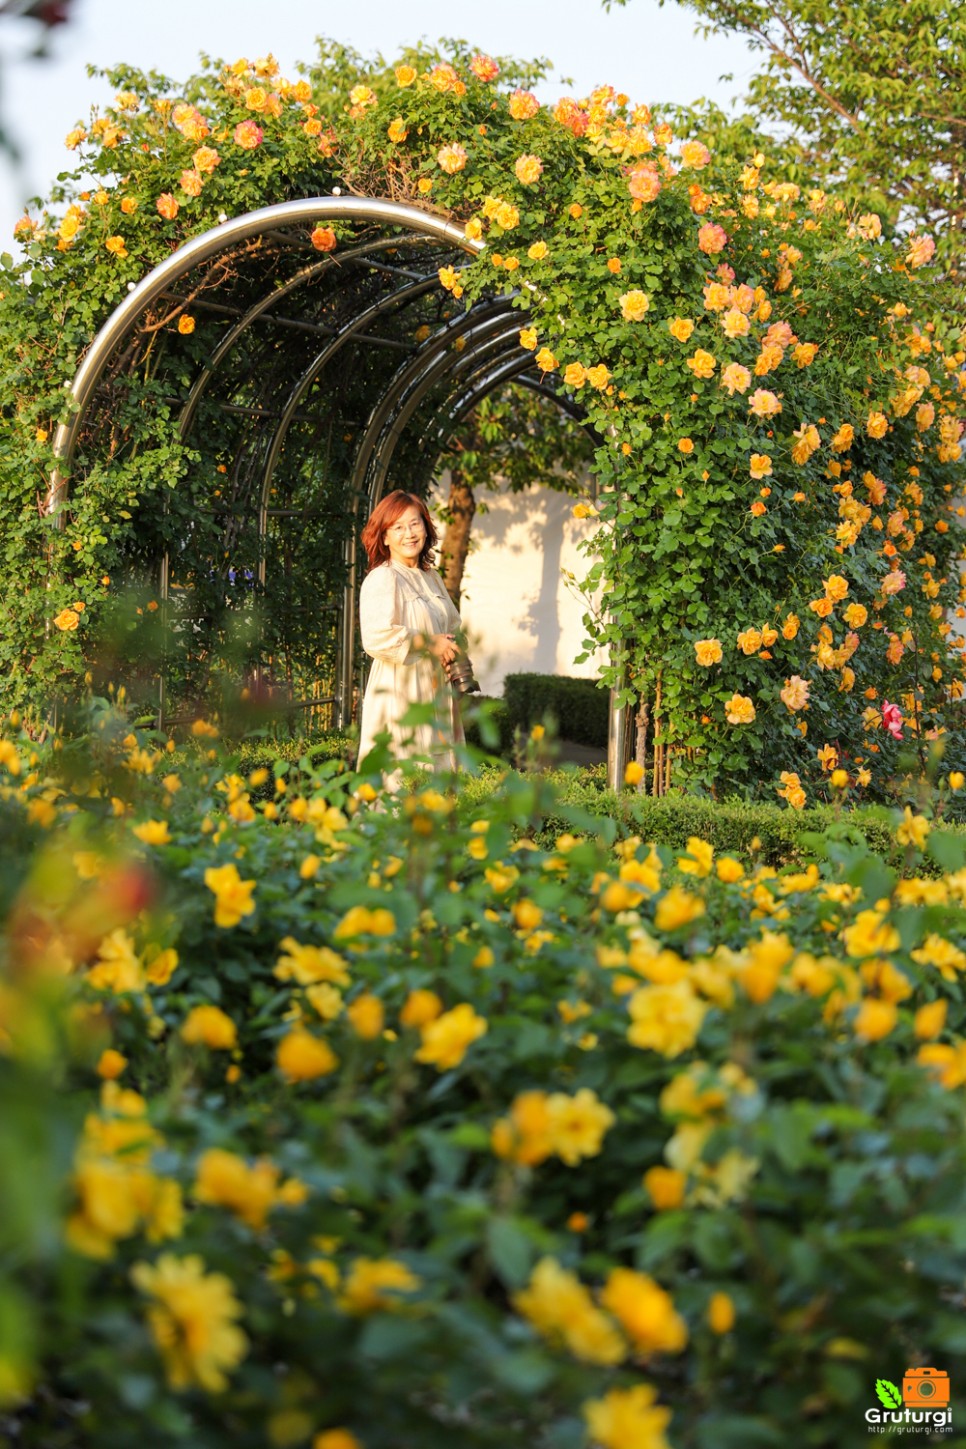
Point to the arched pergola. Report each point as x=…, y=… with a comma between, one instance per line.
x=333, y=376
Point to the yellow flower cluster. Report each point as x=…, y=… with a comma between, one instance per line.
x=640, y=1320
x=542, y=1125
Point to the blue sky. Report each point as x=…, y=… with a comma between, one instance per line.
x=648, y=51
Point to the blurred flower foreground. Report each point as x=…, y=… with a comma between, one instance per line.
x=333, y=1120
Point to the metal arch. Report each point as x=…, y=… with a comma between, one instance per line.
x=310, y=375
x=200, y=249
x=477, y=323
x=264, y=304
x=469, y=366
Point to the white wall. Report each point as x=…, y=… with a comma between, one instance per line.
x=516, y=605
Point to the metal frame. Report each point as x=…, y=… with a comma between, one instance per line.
x=487, y=356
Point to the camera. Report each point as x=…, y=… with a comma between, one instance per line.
x=926, y=1388
x=460, y=670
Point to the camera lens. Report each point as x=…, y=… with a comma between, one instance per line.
x=461, y=675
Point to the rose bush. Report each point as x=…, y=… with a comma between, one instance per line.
x=778, y=387
x=333, y=1124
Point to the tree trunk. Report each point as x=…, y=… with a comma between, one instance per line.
x=461, y=506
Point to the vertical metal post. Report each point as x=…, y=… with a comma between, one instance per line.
x=618, y=741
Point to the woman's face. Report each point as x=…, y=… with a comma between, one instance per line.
x=405, y=538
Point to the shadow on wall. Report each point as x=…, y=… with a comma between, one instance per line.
x=516, y=603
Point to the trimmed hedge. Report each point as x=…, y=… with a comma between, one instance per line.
x=578, y=707
x=756, y=832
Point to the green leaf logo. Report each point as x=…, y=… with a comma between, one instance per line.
x=888, y=1394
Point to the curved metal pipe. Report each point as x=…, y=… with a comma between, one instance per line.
x=192, y=254
x=306, y=275
x=393, y=428
x=309, y=376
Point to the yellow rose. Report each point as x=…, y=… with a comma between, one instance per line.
x=634, y=305
x=739, y=710
x=680, y=328
x=708, y=651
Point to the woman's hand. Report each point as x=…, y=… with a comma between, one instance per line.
x=443, y=647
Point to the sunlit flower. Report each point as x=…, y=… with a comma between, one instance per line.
x=248, y=135
x=702, y=364
x=375, y=1284
x=739, y=710
x=645, y=1311
x=233, y=896
x=634, y=305
x=644, y=182
x=628, y=1419
x=680, y=328
x=446, y=1039
x=921, y=250
x=665, y=1018
x=451, y=157
x=576, y=1125
x=209, y=1026
x=712, y=238
x=694, y=155
x=528, y=169
x=707, y=651
x=484, y=68
x=764, y=404
x=734, y=323
x=302, y=1057
x=522, y=105
x=735, y=378
x=794, y=695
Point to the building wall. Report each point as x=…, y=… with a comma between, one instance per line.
x=516, y=605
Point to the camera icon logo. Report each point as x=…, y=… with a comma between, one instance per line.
x=925, y=1388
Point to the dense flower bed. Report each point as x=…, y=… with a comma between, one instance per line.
x=334, y=1124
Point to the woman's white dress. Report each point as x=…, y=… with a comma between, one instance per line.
x=397, y=604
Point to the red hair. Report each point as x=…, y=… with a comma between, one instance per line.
x=384, y=515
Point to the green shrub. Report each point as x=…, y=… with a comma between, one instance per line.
x=577, y=707
x=766, y=834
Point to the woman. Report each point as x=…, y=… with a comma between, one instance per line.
x=408, y=621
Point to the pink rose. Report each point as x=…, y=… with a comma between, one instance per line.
x=892, y=719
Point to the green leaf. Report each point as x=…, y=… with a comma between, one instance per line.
x=510, y=1249
x=888, y=1393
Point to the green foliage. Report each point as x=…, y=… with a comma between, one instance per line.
x=759, y=1195
x=867, y=96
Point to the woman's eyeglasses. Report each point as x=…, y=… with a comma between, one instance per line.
x=399, y=530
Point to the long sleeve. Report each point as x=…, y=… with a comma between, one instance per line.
x=384, y=636
x=453, y=620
